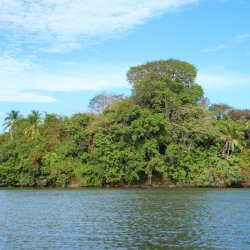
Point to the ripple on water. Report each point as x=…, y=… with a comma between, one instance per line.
x=125, y=219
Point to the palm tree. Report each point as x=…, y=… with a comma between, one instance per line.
x=229, y=145
x=34, y=120
x=232, y=138
x=248, y=128
x=11, y=121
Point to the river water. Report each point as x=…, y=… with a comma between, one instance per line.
x=124, y=219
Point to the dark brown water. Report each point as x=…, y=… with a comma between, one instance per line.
x=125, y=219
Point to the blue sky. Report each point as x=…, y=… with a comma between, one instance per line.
x=55, y=55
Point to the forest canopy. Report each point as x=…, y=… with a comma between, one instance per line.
x=165, y=133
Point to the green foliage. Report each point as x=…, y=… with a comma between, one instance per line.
x=162, y=134
x=238, y=114
x=11, y=122
x=164, y=86
x=33, y=121
x=220, y=110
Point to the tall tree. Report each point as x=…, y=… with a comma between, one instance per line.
x=34, y=120
x=102, y=101
x=164, y=85
x=220, y=110
x=11, y=121
x=233, y=136
x=175, y=70
x=239, y=114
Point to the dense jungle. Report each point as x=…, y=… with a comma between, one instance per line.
x=166, y=133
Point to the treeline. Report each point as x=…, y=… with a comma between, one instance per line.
x=164, y=133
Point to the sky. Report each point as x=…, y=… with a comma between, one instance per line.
x=55, y=55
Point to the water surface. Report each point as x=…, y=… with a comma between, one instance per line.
x=125, y=219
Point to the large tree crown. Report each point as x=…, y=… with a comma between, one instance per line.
x=175, y=70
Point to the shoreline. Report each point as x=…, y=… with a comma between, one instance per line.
x=142, y=186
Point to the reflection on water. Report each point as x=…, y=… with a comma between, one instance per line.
x=125, y=219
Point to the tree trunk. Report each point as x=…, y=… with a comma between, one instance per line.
x=104, y=183
x=166, y=113
x=150, y=178
x=11, y=135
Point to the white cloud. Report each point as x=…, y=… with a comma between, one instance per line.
x=12, y=64
x=223, y=1
x=222, y=80
x=67, y=24
x=213, y=49
x=9, y=95
x=56, y=83
x=229, y=44
x=21, y=80
x=13, y=81
x=241, y=38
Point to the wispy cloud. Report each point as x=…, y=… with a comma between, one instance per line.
x=213, y=49
x=241, y=38
x=223, y=1
x=13, y=96
x=22, y=80
x=13, y=86
x=222, y=80
x=231, y=43
x=68, y=83
x=15, y=64
x=60, y=25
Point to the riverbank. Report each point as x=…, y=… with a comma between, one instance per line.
x=167, y=186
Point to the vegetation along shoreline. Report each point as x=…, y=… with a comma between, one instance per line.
x=166, y=134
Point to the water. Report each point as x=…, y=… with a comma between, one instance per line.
x=125, y=219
